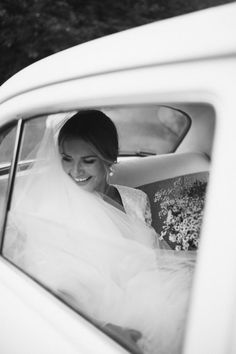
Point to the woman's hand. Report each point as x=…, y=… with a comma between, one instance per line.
x=126, y=336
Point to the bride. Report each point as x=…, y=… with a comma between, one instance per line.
x=92, y=243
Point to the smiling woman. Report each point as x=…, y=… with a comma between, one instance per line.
x=89, y=147
x=81, y=163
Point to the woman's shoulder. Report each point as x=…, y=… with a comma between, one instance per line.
x=135, y=202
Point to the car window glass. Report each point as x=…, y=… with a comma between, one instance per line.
x=7, y=142
x=33, y=133
x=149, y=130
x=42, y=222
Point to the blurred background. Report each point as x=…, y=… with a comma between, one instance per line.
x=33, y=29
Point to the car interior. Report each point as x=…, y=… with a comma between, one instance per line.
x=183, y=173
x=183, y=167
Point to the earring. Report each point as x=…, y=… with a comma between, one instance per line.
x=111, y=171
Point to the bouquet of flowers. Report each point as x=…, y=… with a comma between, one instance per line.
x=181, y=208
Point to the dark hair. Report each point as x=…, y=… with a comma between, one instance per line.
x=95, y=128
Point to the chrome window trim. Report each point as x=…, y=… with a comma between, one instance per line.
x=17, y=145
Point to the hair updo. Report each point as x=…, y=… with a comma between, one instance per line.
x=95, y=128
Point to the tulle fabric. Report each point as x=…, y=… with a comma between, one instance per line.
x=93, y=255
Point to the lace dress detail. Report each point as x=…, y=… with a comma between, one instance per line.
x=137, y=207
x=135, y=203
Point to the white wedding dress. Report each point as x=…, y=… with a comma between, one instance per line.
x=98, y=258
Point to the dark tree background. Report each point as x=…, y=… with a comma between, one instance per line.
x=33, y=29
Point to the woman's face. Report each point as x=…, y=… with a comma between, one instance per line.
x=82, y=164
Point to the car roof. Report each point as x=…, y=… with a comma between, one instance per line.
x=198, y=35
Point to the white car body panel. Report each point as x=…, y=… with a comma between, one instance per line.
x=187, y=59
x=33, y=322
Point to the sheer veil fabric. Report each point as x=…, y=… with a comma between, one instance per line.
x=93, y=255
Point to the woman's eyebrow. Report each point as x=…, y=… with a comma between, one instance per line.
x=89, y=156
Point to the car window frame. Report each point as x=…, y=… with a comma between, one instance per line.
x=19, y=124
x=188, y=126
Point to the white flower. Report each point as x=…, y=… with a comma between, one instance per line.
x=163, y=233
x=179, y=237
x=185, y=246
x=178, y=248
x=169, y=216
x=172, y=237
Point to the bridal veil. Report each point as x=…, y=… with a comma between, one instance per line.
x=90, y=253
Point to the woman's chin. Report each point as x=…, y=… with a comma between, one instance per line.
x=86, y=188
x=90, y=185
